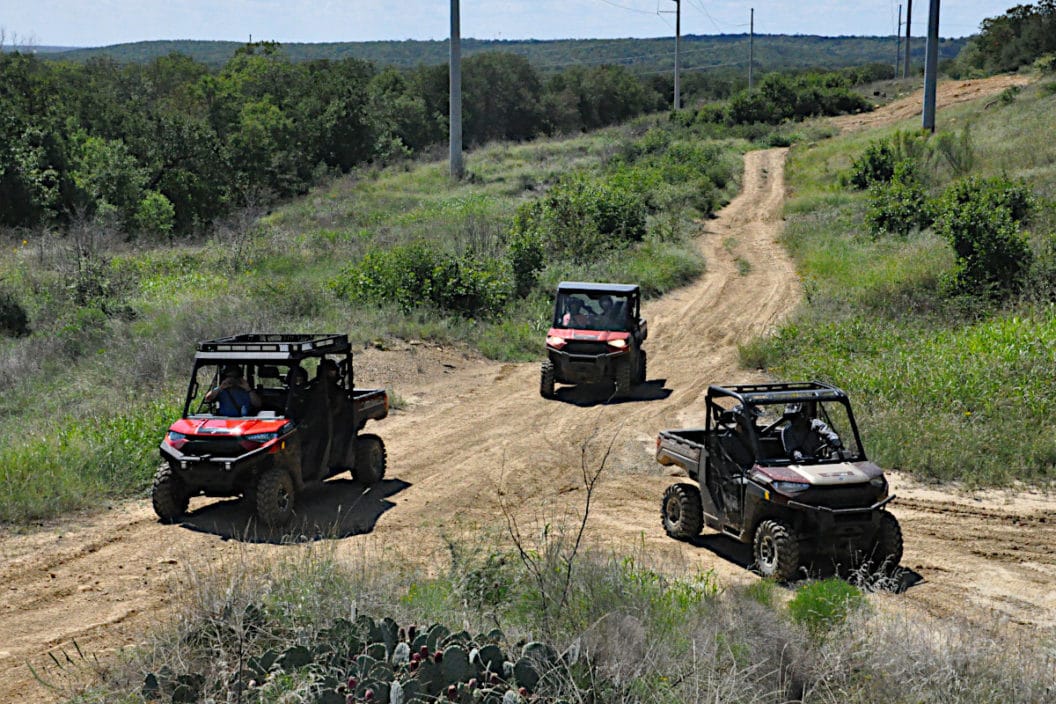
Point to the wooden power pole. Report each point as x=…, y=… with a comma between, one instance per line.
x=931, y=66
x=751, y=46
x=678, y=41
x=909, y=15
x=898, y=41
x=455, y=81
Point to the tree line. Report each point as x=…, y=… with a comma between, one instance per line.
x=169, y=146
x=1022, y=35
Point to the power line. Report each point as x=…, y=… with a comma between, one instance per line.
x=624, y=7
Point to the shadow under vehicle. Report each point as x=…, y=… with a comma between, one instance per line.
x=781, y=467
x=305, y=429
x=596, y=336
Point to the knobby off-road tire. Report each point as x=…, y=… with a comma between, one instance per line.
x=169, y=494
x=371, y=460
x=276, y=496
x=622, y=380
x=681, y=511
x=546, y=379
x=643, y=371
x=776, y=551
x=887, y=550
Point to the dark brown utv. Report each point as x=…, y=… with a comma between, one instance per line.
x=781, y=467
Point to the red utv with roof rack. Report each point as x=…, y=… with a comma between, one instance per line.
x=596, y=335
x=301, y=429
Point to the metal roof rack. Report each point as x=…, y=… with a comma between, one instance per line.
x=256, y=345
x=780, y=392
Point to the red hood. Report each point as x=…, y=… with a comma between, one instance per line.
x=588, y=335
x=227, y=426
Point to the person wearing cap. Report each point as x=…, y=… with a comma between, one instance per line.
x=233, y=395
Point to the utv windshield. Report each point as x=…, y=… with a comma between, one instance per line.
x=592, y=310
x=241, y=390
x=793, y=433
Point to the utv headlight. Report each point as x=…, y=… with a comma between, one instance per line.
x=618, y=344
x=557, y=342
x=791, y=487
x=262, y=437
x=175, y=437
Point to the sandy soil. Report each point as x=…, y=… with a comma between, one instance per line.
x=946, y=94
x=475, y=435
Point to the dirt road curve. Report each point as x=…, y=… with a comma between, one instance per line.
x=476, y=433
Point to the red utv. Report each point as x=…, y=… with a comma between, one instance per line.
x=596, y=335
x=303, y=424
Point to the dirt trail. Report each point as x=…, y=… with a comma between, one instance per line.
x=476, y=434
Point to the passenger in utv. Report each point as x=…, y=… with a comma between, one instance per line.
x=805, y=435
x=233, y=395
x=607, y=316
x=574, y=316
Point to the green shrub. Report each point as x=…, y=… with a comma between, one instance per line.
x=980, y=218
x=875, y=165
x=525, y=251
x=155, y=215
x=582, y=215
x=13, y=318
x=418, y=274
x=899, y=205
x=822, y=605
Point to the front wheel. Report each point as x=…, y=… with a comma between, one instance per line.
x=641, y=377
x=169, y=494
x=275, y=496
x=546, y=379
x=776, y=550
x=887, y=550
x=681, y=511
x=623, y=379
x=371, y=460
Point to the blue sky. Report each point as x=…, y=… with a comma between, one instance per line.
x=102, y=22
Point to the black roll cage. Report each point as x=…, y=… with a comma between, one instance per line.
x=255, y=350
x=775, y=394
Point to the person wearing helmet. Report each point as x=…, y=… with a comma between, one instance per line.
x=805, y=435
x=233, y=395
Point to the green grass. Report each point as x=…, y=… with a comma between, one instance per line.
x=946, y=388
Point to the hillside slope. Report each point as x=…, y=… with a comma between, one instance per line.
x=477, y=436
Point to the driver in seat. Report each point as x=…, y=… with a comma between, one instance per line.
x=804, y=435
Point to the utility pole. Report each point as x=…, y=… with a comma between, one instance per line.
x=751, y=46
x=909, y=14
x=931, y=66
x=678, y=41
x=898, y=41
x=455, y=80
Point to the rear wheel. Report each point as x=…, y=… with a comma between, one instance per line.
x=623, y=378
x=546, y=379
x=275, y=496
x=887, y=550
x=776, y=550
x=681, y=511
x=371, y=460
x=642, y=371
x=169, y=494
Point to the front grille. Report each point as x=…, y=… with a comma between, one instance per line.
x=585, y=348
x=198, y=446
x=859, y=496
